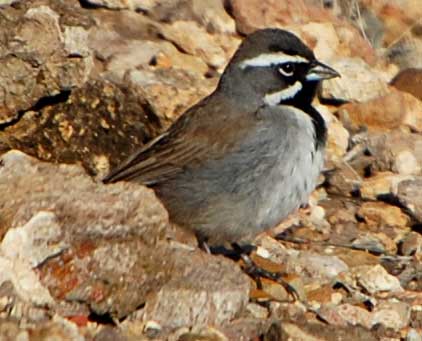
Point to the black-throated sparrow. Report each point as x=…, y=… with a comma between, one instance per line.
x=243, y=158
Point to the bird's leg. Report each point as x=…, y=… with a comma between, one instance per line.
x=257, y=272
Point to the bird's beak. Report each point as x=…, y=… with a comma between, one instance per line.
x=320, y=71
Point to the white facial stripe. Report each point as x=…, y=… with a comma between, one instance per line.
x=268, y=59
x=276, y=97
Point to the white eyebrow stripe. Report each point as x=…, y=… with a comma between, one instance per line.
x=276, y=97
x=268, y=59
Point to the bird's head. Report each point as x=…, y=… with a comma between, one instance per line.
x=274, y=66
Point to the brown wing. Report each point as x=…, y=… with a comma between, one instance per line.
x=163, y=157
x=189, y=140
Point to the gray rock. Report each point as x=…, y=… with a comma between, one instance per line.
x=407, y=51
x=207, y=293
x=396, y=151
x=320, y=266
x=409, y=195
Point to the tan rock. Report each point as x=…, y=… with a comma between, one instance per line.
x=394, y=110
x=338, y=136
x=379, y=214
x=171, y=91
x=376, y=279
x=358, y=82
x=411, y=244
x=139, y=53
x=193, y=39
x=382, y=183
x=325, y=37
x=275, y=290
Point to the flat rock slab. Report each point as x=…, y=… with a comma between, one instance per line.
x=114, y=254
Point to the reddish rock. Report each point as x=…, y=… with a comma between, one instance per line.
x=394, y=110
x=410, y=81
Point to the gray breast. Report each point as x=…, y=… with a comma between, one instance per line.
x=295, y=173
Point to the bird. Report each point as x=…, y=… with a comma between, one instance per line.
x=242, y=159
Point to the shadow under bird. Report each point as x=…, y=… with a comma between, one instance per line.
x=242, y=159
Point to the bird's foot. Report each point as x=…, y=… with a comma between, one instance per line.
x=257, y=272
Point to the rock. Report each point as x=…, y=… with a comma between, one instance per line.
x=411, y=244
x=208, y=292
x=396, y=151
x=382, y=184
x=80, y=206
x=371, y=243
x=34, y=242
x=257, y=311
x=56, y=329
x=314, y=332
x=359, y=82
x=143, y=53
x=344, y=180
x=170, y=91
x=393, y=315
x=35, y=61
x=244, y=329
x=110, y=334
x=275, y=290
x=193, y=39
x=379, y=214
x=324, y=37
x=375, y=279
x=324, y=296
x=254, y=14
x=365, y=19
x=408, y=193
x=211, y=14
x=76, y=41
x=406, y=52
x=410, y=81
x=7, y=2
x=413, y=335
x=112, y=4
x=338, y=136
x=319, y=266
x=98, y=125
x=354, y=315
x=116, y=257
x=332, y=316
x=394, y=110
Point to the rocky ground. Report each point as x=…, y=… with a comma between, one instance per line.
x=84, y=83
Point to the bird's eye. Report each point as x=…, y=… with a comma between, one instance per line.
x=287, y=69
